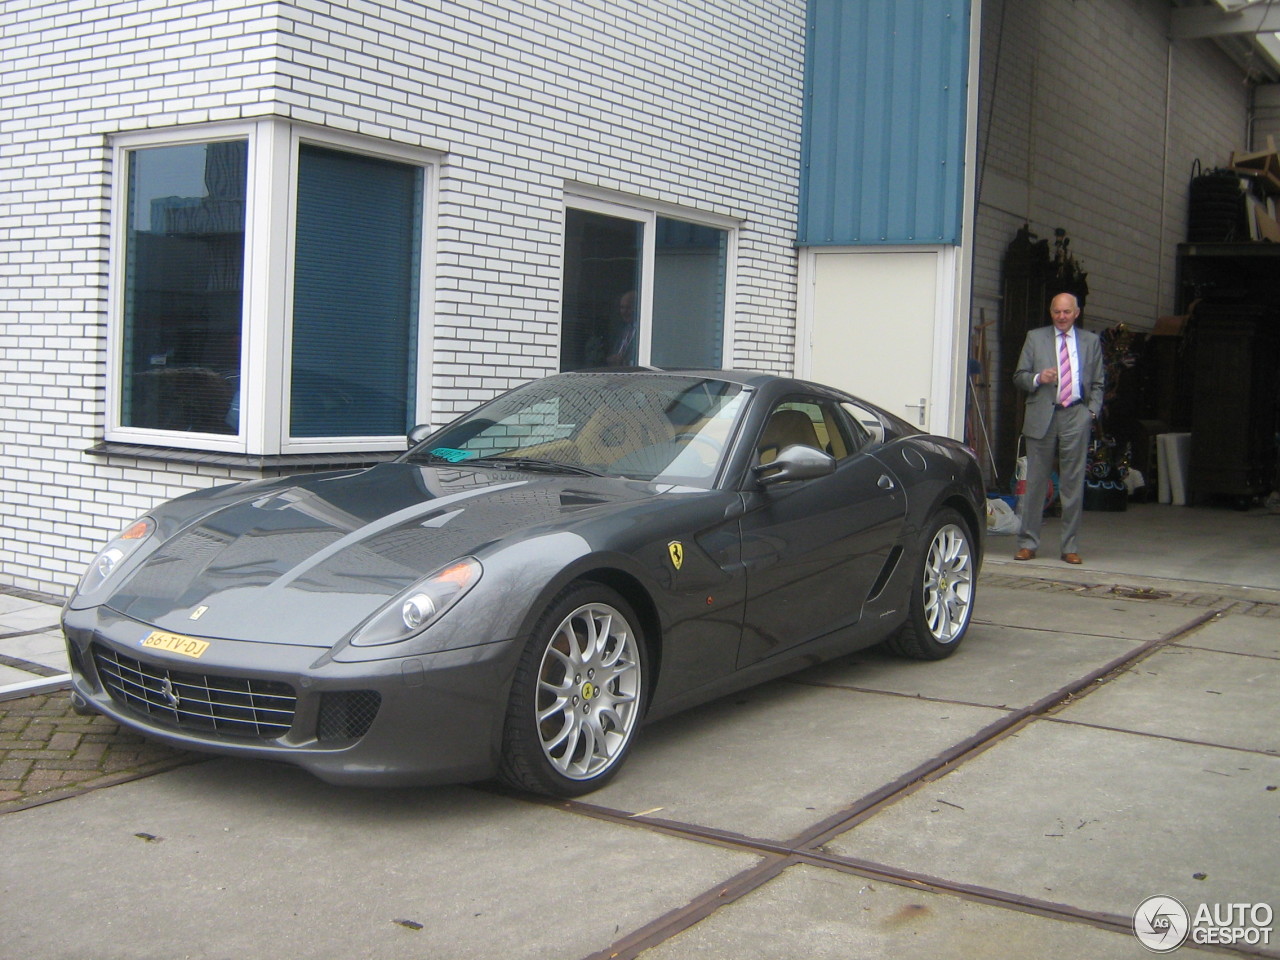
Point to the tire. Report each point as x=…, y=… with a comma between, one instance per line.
x=578, y=695
x=942, y=592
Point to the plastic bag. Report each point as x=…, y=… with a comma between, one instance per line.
x=1000, y=517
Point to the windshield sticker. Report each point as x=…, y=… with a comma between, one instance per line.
x=452, y=455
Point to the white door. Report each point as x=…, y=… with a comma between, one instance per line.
x=874, y=317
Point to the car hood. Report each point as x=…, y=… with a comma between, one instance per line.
x=307, y=560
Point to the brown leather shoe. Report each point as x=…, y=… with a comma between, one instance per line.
x=1025, y=554
x=1071, y=558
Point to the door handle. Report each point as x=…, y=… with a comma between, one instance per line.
x=924, y=402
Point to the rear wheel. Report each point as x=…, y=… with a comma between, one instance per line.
x=942, y=592
x=578, y=695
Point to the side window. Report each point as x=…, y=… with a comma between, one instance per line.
x=865, y=424
x=808, y=421
x=357, y=249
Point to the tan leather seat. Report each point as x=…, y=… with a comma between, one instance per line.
x=612, y=434
x=786, y=427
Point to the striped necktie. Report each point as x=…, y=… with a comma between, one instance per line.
x=1064, y=371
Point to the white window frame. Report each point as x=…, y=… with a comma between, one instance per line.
x=267, y=309
x=610, y=204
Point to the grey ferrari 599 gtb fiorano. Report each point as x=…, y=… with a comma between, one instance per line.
x=523, y=588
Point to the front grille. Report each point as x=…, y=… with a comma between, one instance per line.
x=234, y=706
x=347, y=714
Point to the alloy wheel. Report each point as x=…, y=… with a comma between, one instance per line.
x=588, y=691
x=948, y=583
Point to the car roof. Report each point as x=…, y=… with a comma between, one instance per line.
x=746, y=378
x=770, y=385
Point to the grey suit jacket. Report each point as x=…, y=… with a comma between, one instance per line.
x=1040, y=351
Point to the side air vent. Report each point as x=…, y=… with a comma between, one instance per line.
x=890, y=564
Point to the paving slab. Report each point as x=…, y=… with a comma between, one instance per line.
x=235, y=859
x=808, y=913
x=995, y=666
x=1232, y=633
x=1095, y=819
x=18, y=614
x=12, y=676
x=1203, y=695
x=1204, y=545
x=1057, y=610
x=32, y=649
x=9, y=602
x=770, y=762
x=48, y=649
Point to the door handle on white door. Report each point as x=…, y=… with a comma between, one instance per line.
x=924, y=402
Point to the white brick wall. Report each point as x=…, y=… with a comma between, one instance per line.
x=690, y=104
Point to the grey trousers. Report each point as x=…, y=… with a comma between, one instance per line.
x=1068, y=437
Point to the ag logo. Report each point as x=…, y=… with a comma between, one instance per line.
x=676, y=549
x=1161, y=924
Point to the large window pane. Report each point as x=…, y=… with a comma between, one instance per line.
x=688, y=294
x=601, y=306
x=183, y=287
x=355, y=297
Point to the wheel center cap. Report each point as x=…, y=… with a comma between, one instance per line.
x=590, y=691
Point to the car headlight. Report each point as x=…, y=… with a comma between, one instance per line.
x=421, y=605
x=113, y=555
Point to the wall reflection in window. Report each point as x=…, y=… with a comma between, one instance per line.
x=183, y=287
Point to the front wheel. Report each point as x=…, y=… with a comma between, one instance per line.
x=578, y=695
x=942, y=592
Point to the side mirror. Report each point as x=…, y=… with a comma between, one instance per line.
x=796, y=462
x=419, y=433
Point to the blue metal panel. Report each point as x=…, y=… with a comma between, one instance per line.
x=884, y=124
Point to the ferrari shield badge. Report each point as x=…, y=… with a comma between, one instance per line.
x=676, y=549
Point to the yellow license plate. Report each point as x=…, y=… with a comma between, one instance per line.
x=176, y=643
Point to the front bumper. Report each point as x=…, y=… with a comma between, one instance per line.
x=432, y=718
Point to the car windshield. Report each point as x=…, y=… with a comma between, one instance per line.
x=663, y=427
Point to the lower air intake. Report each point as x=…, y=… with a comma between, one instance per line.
x=347, y=715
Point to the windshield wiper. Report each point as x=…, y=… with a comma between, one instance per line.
x=533, y=463
x=426, y=456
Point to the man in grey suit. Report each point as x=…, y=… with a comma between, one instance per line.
x=1061, y=371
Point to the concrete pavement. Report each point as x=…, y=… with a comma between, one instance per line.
x=1103, y=737
x=33, y=656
